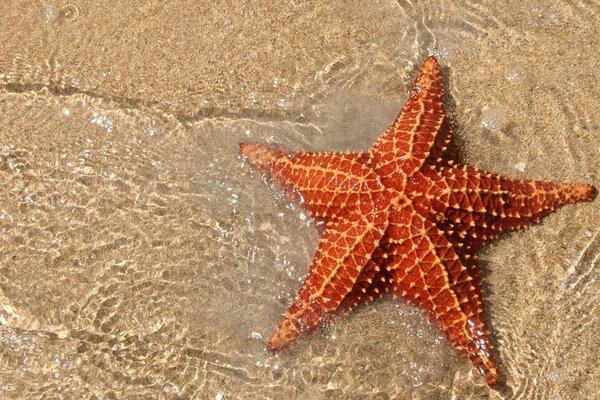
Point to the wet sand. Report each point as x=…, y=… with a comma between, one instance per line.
x=141, y=258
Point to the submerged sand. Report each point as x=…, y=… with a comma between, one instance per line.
x=141, y=258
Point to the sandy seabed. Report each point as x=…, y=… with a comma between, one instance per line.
x=140, y=258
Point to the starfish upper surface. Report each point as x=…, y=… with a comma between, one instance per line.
x=406, y=217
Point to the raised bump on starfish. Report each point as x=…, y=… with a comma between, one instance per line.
x=406, y=217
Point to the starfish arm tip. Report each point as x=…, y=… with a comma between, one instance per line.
x=260, y=155
x=579, y=192
x=286, y=332
x=431, y=60
x=247, y=149
x=430, y=70
x=491, y=378
x=589, y=192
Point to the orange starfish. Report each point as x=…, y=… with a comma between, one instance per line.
x=406, y=217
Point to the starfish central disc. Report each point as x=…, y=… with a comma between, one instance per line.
x=406, y=217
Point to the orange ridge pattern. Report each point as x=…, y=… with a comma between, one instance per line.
x=407, y=217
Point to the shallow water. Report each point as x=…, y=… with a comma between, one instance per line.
x=141, y=258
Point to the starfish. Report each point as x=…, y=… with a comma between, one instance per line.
x=406, y=217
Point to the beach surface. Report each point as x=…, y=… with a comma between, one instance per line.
x=141, y=258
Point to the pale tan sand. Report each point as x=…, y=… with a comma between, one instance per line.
x=140, y=258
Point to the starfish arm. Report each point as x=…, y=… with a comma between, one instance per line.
x=371, y=284
x=444, y=152
x=325, y=183
x=427, y=271
x=413, y=136
x=344, y=250
x=480, y=206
